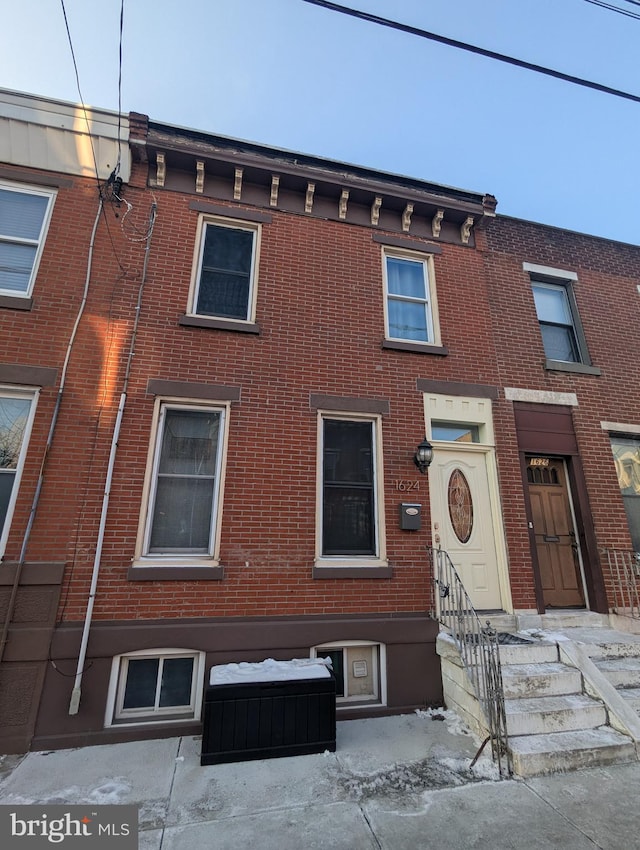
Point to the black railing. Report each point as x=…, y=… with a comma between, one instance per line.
x=479, y=652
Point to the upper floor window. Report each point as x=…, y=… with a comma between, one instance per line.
x=16, y=415
x=565, y=344
x=557, y=322
x=24, y=218
x=626, y=455
x=184, y=493
x=224, y=285
x=409, y=302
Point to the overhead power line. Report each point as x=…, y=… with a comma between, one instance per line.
x=613, y=8
x=472, y=48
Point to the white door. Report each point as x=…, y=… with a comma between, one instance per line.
x=463, y=520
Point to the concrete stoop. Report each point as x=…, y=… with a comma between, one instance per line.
x=562, y=712
x=552, y=723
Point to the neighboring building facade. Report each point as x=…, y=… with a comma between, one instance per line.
x=234, y=357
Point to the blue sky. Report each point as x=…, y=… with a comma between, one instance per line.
x=293, y=75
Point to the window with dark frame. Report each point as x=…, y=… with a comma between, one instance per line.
x=348, y=488
x=557, y=322
x=225, y=276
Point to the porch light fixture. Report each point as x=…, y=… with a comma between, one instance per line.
x=423, y=456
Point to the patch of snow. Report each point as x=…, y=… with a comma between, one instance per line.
x=453, y=722
x=270, y=671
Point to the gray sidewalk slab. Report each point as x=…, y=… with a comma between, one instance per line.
x=333, y=826
x=394, y=783
x=500, y=816
x=602, y=802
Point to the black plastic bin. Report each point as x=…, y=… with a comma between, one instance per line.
x=257, y=720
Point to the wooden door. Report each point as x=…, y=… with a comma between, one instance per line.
x=556, y=542
x=463, y=521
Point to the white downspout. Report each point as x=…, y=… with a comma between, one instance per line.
x=74, y=703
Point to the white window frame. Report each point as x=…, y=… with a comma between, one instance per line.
x=32, y=396
x=116, y=715
x=430, y=301
x=50, y=194
x=378, y=559
x=379, y=673
x=211, y=558
x=232, y=224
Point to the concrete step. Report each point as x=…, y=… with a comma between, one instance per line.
x=540, y=680
x=632, y=696
x=541, y=715
x=530, y=653
x=621, y=672
x=534, y=755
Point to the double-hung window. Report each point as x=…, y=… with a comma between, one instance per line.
x=349, y=526
x=626, y=455
x=24, y=218
x=557, y=323
x=563, y=338
x=182, y=516
x=409, y=308
x=16, y=416
x=225, y=285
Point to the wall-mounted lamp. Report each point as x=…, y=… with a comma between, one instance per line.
x=423, y=456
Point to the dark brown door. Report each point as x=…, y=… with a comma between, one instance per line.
x=556, y=544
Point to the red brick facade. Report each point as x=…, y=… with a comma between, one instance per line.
x=320, y=332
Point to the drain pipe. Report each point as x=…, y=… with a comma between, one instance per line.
x=52, y=428
x=76, y=693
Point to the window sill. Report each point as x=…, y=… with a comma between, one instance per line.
x=175, y=571
x=417, y=347
x=219, y=324
x=16, y=302
x=568, y=366
x=351, y=569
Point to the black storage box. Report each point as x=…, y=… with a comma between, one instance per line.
x=257, y=720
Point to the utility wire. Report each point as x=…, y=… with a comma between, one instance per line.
x=613, y=8
x=471, y=48
x=117, y=168
x=84, y=108
x=89, y=133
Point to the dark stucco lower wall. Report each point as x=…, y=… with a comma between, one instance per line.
x=412, y=665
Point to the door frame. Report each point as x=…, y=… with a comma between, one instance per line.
x=580, y=569
x=475, y=410
x=590, y=570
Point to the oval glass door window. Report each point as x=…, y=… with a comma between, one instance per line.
x=460, y=505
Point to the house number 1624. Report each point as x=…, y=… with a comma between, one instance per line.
x=406, y=486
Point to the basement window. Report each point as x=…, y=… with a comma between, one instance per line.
x=155, y=686
x=359, y=668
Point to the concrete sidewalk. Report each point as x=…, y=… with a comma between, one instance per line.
x=393, y=783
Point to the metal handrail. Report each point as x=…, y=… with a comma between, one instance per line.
x=624, y=568
x=479, y=652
